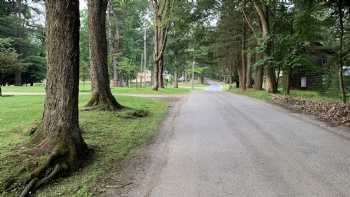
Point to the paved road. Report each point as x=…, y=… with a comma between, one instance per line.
x=219, y=145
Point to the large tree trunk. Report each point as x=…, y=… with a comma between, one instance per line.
x=286, y=81
x=114, y=42
x=175, y=82
x=243, y=69
x=161, y=72
x=61, y=114
x=102, y=97
x=263, y=14
x=340, y=53
x=18, y=78
x=249, y=72
x=161, y=9
x=59, y=136
x=259, y=74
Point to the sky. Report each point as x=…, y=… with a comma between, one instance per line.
x=83, y=4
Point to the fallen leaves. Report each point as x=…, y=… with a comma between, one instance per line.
x=333, y=112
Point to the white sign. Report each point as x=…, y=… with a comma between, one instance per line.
x=303, y=82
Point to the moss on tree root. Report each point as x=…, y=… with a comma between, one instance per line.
x=103, y=103
x=42, y=161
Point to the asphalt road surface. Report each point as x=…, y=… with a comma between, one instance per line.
x=219, y=144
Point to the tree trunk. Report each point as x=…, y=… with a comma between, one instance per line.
x=161, y=9
x=259, y=74
x=243, y=67
x=156, y=75
x=249, y=73
x=61, y=114
x=175, y=82
x=286, y=82
x=0, y=90
x=161, y=72
x=263, y=14
x=241, y=70
x=59, y=135
x=341, y=55
x=102, y=97
x=114, y=42
x=18, y=78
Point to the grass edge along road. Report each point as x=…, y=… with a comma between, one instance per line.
x=112, y=135
x=86, y=88
x=264, y=95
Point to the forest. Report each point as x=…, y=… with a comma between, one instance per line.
x=248, y=42
x=275, y=46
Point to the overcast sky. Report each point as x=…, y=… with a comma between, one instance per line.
x=83, y=4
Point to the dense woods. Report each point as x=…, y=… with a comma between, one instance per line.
x=288, y=44
x=22, y=50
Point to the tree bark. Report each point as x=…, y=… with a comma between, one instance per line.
x=286, y=81
x=341, y=55
x=175, y=82
x=249, y=76
x=263, y=14
x=243, y=68
x=18, y=78
x=161, y=9
x=259, y=74
x=102, y=97
x=59, y=135
x=161, y=73
x=114, y=42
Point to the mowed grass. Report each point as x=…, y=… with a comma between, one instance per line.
x=111, y=135
x=149, y=90
x=86, y=88
x=264, y=95
x=258, y=94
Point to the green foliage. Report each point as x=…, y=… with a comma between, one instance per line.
x=22, y=42
x=84, y=47
x=8, y=56
x=127, y=68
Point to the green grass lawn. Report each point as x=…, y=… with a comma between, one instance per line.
x=263, y=95
x=148, y=90
x=258, y=94
x=85, y=88
x=109, y=134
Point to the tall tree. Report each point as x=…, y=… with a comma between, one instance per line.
x=162, y=10
x=59, y=135
x=340, y=7
x=263, y=11
x=114, y=41
x=8, y=60
x=102, y=97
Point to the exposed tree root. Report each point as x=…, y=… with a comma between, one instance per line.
x=27, y=189
x=35, y=182
x=133, y=113
x=35, y=127
x=43, y=161
x=104, y=102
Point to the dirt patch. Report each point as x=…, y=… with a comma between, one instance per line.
x=335, y=113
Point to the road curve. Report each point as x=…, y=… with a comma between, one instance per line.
x=220, y=145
